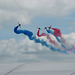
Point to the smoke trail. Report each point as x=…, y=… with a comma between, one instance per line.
x=47, y=36
x=50, y=31
x=42, y=42
x=43, y=34
x=57, y=33
x=50, y=40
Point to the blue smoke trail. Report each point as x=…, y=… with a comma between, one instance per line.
x=31, y=37
x=49, y=31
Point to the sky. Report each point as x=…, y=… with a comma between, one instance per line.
x=32, y=14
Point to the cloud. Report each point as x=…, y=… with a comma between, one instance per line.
x=12, y=46
x=50, y=7
x=69, y=41
x=24, y=10
x=22, y=50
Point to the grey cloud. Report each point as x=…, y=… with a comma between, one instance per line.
x=25, y=50
x=24, y=10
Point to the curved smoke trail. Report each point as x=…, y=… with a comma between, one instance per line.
x=42, y=42
x=48, y=37
x=57, y=33
x=50, y=31
x=50, y=40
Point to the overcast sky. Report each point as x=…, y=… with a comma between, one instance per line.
x=32, y=14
